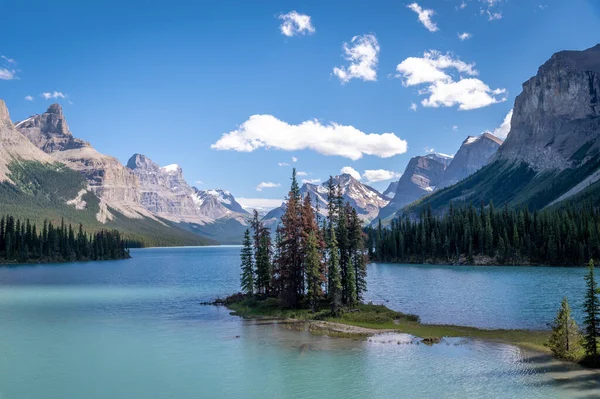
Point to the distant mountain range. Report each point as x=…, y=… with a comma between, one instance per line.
x=551, y=154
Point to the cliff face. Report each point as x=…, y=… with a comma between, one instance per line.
x=14, y=146
x=556, y=119
x=421, y=177
x=115, y=185
x=474, y=153
x=164, y=191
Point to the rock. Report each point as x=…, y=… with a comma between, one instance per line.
x=421, y=177
x=431, y=340
x=474, y=153
x=556, y=119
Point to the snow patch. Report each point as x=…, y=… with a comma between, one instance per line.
x=171, y=168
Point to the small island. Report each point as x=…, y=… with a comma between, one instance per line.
x=313, y=278
x=22, y=241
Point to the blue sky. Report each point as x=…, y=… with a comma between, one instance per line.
x=169, y=79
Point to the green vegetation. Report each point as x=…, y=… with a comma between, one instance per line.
x=513, y=184
x=591, y=323
x=40, y=192
x=565, y=340
x=467, y=235
x=21, y=242
x=378, y=317
x=308, y=266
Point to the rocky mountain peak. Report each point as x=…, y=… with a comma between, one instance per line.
x=49, y=131
x=4, y=115
x=556, y=118
x=140, y=161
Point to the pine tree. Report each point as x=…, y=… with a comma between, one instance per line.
x=334, y=279
x=565, y=339
x=313, y=274
x=247, y=276
x=591, y=306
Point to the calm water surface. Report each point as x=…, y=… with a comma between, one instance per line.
x=134, y=329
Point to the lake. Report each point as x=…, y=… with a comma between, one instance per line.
x=135, y=329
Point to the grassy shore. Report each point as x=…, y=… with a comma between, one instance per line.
x=369, y=319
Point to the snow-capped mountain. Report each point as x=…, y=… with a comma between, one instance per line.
x=366, y=200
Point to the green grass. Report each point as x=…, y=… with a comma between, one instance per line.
x=379, y=317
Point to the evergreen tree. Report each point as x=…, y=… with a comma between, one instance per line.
x=313, y=274
x=334, y=279
x=591, y=323
x=565, y=339
x=247, y=276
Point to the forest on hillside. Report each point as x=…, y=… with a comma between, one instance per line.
x=467, y=234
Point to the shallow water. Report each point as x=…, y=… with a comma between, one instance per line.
x=134, y=329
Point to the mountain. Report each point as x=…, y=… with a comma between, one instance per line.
x=37, y=185
x=390, y=192
x=552, y=152
x=366, y=200
x=210, y=213
x=115, y=185
x=474, y=153
x=421, y=177
x=14, y=146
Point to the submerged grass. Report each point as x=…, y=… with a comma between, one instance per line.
x=379, y=317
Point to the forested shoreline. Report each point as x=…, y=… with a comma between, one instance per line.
x=567, y=236
x=24, y=242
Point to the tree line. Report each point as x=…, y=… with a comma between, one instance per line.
x=22, y=241
x=465, y=234
x=314, y=261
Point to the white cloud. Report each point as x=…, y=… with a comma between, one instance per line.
x=283, y=164
x=7, y=74
x=311, y=181
x=424, y=16
x=429, y=150
x=413, y=107
x=295, y=24
x=434, y=68
x=259, y=203
x=53, y=95
x=266, y=184
x=463, y=5
x=266, y=131
x=362, y=52
x=455, y=128
x=199, y=182
x=464, y=36
x=294, y=159
x=29, y=98
x=493, y=16
x=349, y=170
x=301, y=174
x=380, y=175
x=503, y=130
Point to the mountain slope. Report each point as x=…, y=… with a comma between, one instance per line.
x=552, y=152
x=473, y=154
x=116, y=186
x=421, y=177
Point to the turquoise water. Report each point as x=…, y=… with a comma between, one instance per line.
x=134, y=329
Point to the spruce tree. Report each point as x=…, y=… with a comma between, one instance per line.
x=591, y=306
x=565, y=339
x=247, y=276
x=313, y=273
x=334, y=280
